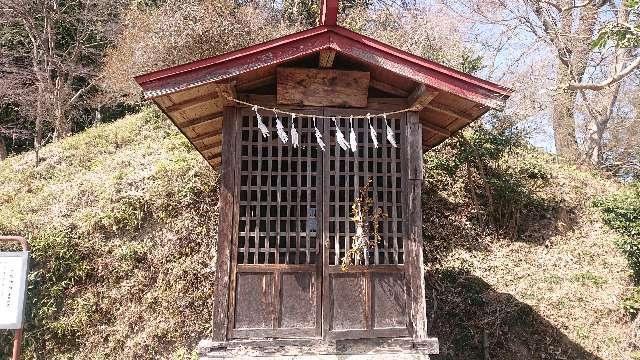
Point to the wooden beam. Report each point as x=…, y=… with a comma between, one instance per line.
x=412, y=152
x=215, y=161
x=207, y=135
x=192, y=102
x=441, y=109
x=227, y=91
x=436, y=129
x=328, y=12
x=199, y=120
x=421, y=96
x=256, y=83
x=213, y=156
x=227, y=206
x=326, y=58
x=211, y=146
x=390, y=89
x=322, y=87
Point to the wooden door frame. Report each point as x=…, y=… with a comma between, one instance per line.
x=222, y=318
x=277, y=269
x=367, y=272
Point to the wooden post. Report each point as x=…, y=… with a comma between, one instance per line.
x=415, y=266
x=225, y=225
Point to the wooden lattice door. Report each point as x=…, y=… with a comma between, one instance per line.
x=276, y=261
x=293, y=227
x=369, y=299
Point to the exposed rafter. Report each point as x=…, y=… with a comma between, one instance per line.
x=200, y=120
x=421, y=96
x=390, y=89
x=207, y=135
x=213, y=145
x=253, y=84
x=450, y=112
x=436, y=129
x=192, y=102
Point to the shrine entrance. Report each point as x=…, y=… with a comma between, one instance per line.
x=294, y=228
x=286, y=123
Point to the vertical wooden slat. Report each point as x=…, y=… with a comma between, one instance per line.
x=413, y=227
x=326, y=280
x=226, y=225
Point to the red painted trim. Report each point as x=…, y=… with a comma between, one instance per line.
x=248, y=51
x=420, y=61
x=417, y=72
x=218, y=68
x=328, y=12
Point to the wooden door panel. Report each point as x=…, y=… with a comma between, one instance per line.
x=254, y=301
x=299, y=305
x=369, y=299
x=348, y=302
x=389, y=300
x=276, y=254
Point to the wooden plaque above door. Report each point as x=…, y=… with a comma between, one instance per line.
x=322, y=87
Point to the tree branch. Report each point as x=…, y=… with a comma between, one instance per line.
x=610, y=81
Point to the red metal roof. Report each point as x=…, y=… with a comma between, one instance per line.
x=221, y=68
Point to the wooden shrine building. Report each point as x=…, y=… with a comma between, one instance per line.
x=285, y=209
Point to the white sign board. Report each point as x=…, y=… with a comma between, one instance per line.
x=13, y=280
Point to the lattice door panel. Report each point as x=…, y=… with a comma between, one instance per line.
x=277, y=249
x=348, y=172
x=374, y=307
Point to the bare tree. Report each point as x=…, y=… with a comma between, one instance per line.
x=55, y=50
x=569, y=29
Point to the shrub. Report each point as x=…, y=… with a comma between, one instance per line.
x=495, y=171
x=621, y=212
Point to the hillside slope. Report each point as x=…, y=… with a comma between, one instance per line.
x=122, y=219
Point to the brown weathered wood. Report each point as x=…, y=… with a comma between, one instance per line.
x=441, y=109
x=199, y=120
x=436, y=129
x=210, y=146
x=225, y=227
x=215, y=161
x=392, y=347
x=326, y=58
x=262, y=267
x=207, y=135
x=413, y=242
x=322, y=87
x=193, y=102
x=421, y=96
x=390, y=89
x=256, y=83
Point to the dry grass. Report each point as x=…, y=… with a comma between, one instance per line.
x=554, y=293
x=121, y=219
x=123, y=216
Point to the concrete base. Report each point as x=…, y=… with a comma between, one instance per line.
x=392, y=348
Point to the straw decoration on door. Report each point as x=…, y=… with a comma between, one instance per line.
x=367, y=219
x=341, y=139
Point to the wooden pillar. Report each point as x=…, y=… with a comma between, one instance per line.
x=227, y=212
x=413, y=230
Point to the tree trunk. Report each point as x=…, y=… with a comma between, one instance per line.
x=601, y=123
x=574, y=49
x=37, y=141
x=62, y=125
x=3, y=149
x=564, y=127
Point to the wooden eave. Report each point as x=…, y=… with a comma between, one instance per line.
x=193, y=95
